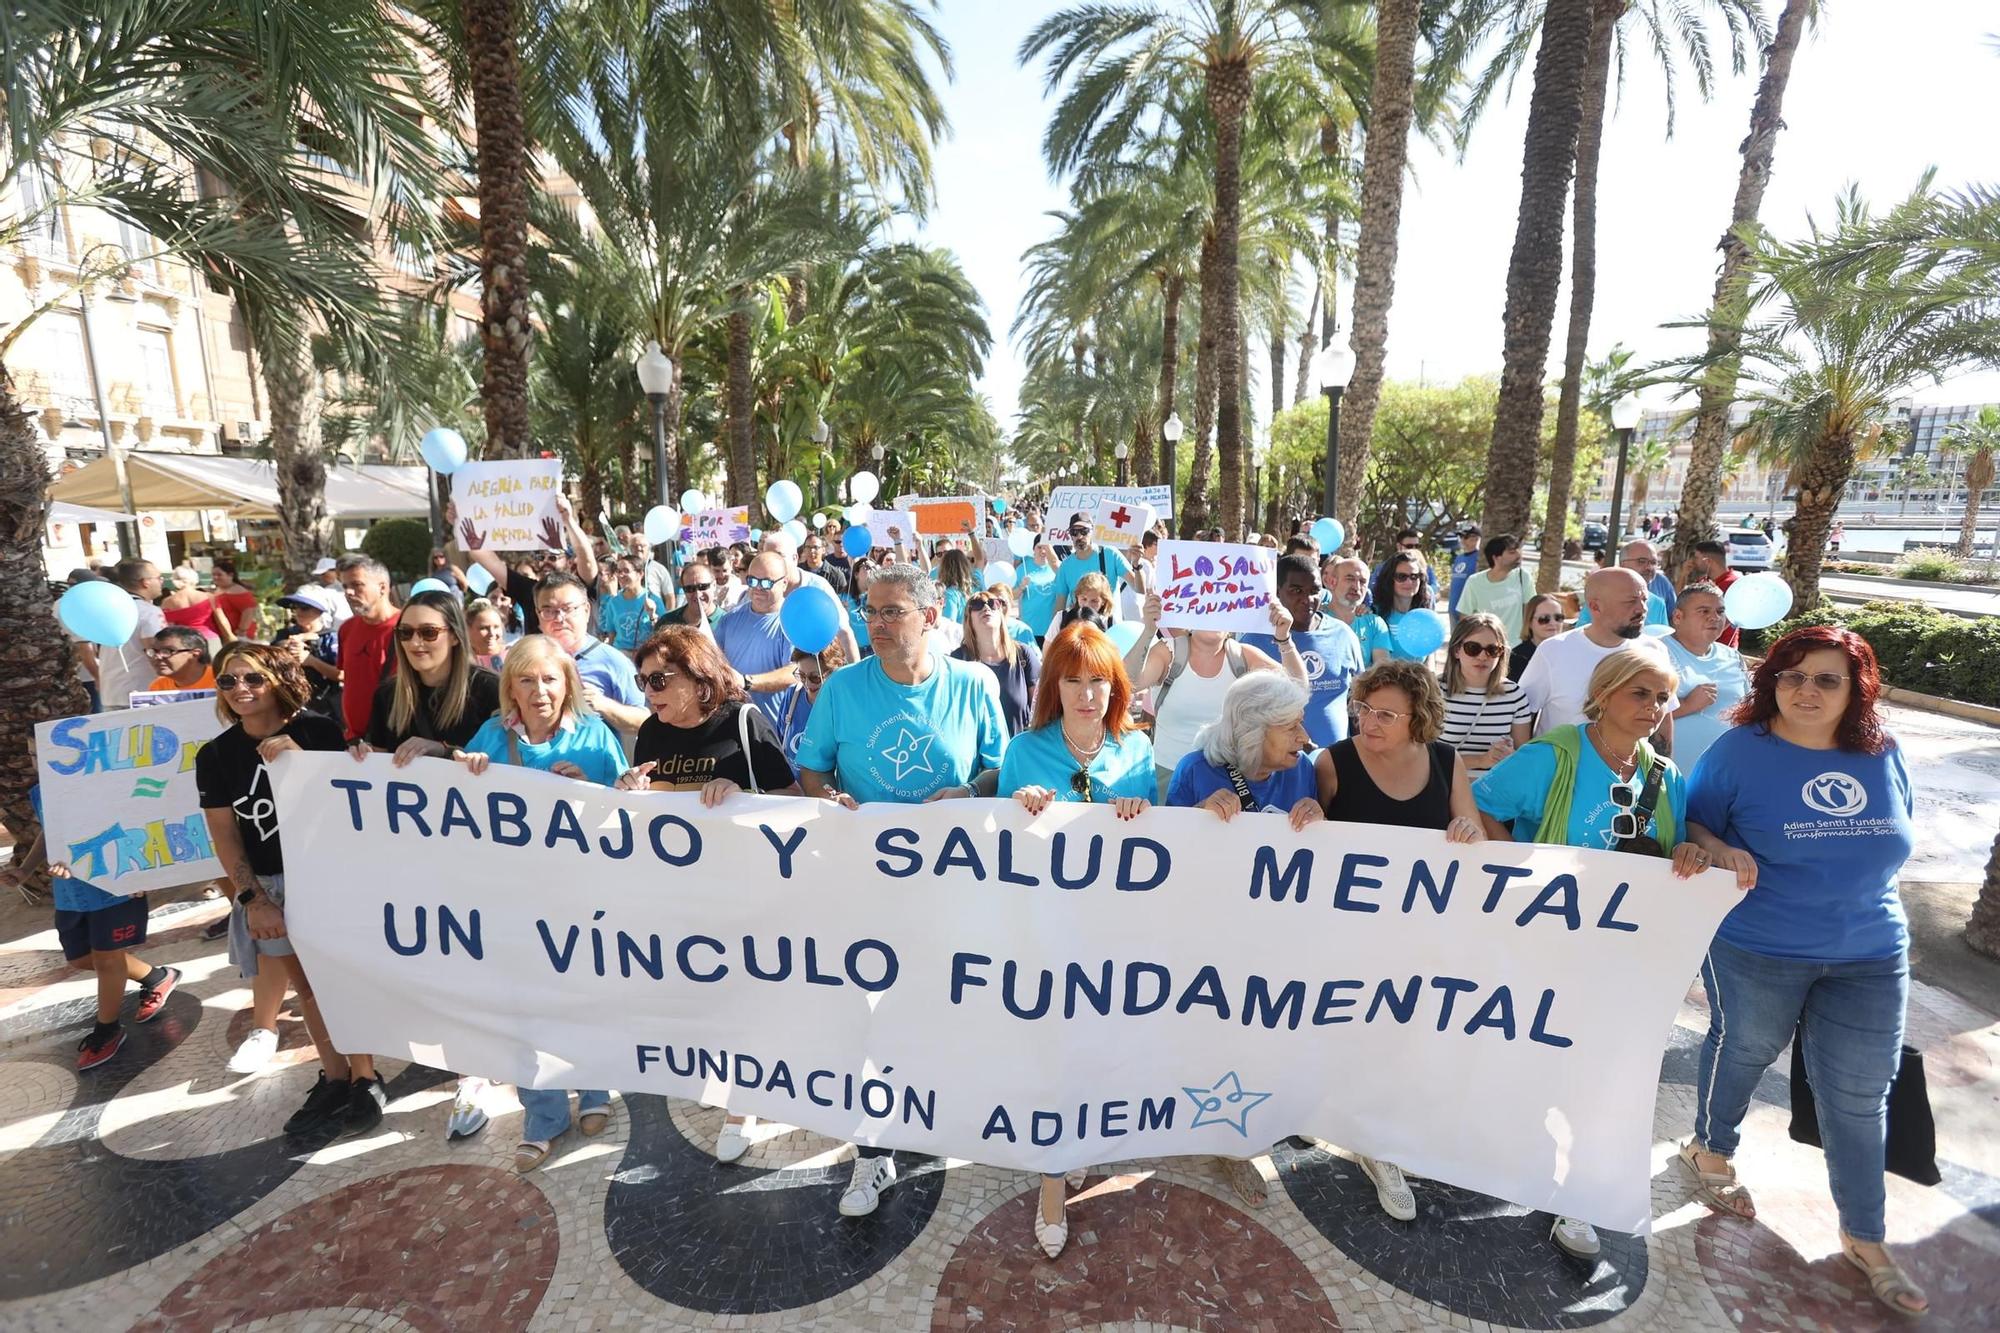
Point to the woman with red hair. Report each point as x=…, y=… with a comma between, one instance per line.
x=1808, y=798
x=1080, y=746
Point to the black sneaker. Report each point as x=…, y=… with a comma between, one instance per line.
x=325, y=1103
x=367, y=1098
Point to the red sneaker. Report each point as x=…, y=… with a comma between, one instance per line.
x=154, y=1000
x=90, y=1057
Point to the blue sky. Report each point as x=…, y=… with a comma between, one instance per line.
x=1879, y=94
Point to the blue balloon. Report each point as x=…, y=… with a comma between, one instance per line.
x=429, y=585
x=480, y=580
x=1757, y=601
x=1420, y=632
x=1124, y=633
x=756, y=535
x=443, y=449
x=99, y=612
x=811, y=618
x=856, y=542
x=999, y=505
x=1329, y=534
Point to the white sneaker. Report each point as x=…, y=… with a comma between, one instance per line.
x=467, y=1116
x=1391, y=1190
x=255, y=1052
x=1576, y=1237
x=871, y=1176
x=734, y=1140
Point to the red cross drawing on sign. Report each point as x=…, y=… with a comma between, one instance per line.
x=1120, y=516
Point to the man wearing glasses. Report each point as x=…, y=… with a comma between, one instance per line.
x=700, y=602
x=905, y=726
x=180, y=655
x=752, y=635
x=610, y=681
x=1557, y=681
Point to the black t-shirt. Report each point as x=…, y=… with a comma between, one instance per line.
x=230, y=775
x=687, y=758
x=521, y=588
x=482, y=700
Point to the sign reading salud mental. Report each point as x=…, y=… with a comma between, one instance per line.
x=118, y=795
x=1215, y=585
x=1034, y=992
x=509, y=505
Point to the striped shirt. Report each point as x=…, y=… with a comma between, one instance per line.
x=1475, y=721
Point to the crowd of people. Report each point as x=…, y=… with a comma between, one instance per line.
x=1638, y=728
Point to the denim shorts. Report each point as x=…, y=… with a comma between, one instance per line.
x=243, y=950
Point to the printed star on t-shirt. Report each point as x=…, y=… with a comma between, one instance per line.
x=910, y=753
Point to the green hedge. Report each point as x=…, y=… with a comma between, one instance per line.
x=403, y=544
x=1918, y=648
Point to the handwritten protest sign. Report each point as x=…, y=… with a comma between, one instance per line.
x=151, y=698
x=717, y=527
x=887, y=527
x=118, y=795
x=1215, y=585
x=1034, y=992
x=509, y=505
x=1112, y=510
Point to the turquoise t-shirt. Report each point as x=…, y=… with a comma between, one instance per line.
x=1333, y=657
x=954, y=605
x=1722, y=667
x=624, y=622
x=1037, y=589
x=1515, y=792
x=1830, y=830
x=1101, y=560
x=1375, y=633
x=584, y=741
x=1196, y=779
x=1039, y=758
x=857, y=621
x=901, y=743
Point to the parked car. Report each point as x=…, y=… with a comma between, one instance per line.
x=1595, y=536
x=1749, y=549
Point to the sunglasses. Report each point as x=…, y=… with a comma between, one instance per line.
x=254, y=680
x=1481, y=649
x=983, y=604
x=1551, y=618
x=657, y=680
x=811, y=677
x=1079, y=786
x=761, y=585
x=1825, y=681
x=1624, y=824
x=424, y=633
x=1409, y=578
x=699, y=589
x=162, y=654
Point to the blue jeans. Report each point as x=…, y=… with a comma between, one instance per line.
x=1852, y=1014
x=546, y=1110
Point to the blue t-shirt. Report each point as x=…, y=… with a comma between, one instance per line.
x=1196, y=779
x=1663, y=587
x=626, y=621
x=901, y=743
x=1376, y=632
x=1037, y=587
x=1656, y=611
x=71, y=895
x=611, y=672
x=857, y=621
x=755, y=644
x=1830, y=830
x=1722, y=667
x=1464, y=564
x=584, y=741
x=1333, y=658
x=1515, y=791
x=795, y=709
x=954, y=604
x=1101, y=560
x=1039, y=758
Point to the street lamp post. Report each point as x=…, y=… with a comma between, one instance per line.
x=877, y=453
x=1333, y=366
x=1624, y=419
x=1124, y=451
x=656, y=378
x=1170, y=435
x=821, y=433
x=128, y=528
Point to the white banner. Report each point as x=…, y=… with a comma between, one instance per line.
x=1215, y=585
x=892, y=527
x=1112, y=510
x=962, y=980
x=118, y=795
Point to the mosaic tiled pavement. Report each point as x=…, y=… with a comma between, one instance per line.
x=158, y=1194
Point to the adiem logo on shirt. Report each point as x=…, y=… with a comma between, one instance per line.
x=1835, y=794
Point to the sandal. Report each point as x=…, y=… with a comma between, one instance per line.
x=1074, y=1179
x=594, y=1121
x=1888, y=1282
x=530, y=1154
x=1720, y=1190
x=1248, y=1182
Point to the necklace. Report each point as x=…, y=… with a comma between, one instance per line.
x=1085, y=756
x=1623, y=768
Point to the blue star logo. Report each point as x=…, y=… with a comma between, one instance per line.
x=910, y=753
x=1226, y=1103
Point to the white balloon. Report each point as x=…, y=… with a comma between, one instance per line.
x=857, y=515
x=819, y=521
x=662, y=525
x=864, y=486
x=1020, y=541
x=480, y=580
x=693, y=501
x=784, y=499
x=795, y=530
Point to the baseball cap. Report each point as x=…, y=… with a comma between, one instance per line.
x=310, y=598
x=325, y=563
x=1468, y=529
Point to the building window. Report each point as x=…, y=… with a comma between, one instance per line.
x=63, y=352
x=156, y=368
x=48, y=234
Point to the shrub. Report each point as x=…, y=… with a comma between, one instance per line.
x=403, y=544
x=1962, y=656
x=1918, y=648
x=1900, y=633
x=1931, y=566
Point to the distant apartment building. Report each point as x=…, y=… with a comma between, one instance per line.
x=1748, y=485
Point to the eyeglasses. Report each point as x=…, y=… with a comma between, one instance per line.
x=1409, y=578
x=1481, y=649
x=1409, y=546
x=253, y=680
x=657, y=680
x=888, y=614
x=560, y=610
x=1362, y=713
x=166, y=654
x=1624, y=824
x=1079, y=785
x=425, y=633
x=1825, y=681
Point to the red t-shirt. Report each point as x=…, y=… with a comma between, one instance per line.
x=236, y=603
x=1729, y=638
x=366, y=653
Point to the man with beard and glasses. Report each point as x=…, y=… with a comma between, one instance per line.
x=1557, y=681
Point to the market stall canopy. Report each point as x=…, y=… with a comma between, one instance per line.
x=246, y=487
x=64, y=512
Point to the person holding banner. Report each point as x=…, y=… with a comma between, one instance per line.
x=1080, y=745
x=1400, y=588
x=1016, y=666
x=262, y=693
x=1598, y=785
x=1809, y=796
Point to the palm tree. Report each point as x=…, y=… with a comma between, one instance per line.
x=1982, y=930
x=1648, y=461
x=1726, y=311
x=1978, y=438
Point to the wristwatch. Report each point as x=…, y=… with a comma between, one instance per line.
x=245, y=898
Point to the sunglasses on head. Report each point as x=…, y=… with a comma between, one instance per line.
x=425, y=633
x=1079, y=786
x=1481, y=649
x=255, y=680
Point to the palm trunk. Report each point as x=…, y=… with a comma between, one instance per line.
x=1535, y=270
x=1982, y=929
x=677, y=463
x=1978, y=476
x=1726, y=312
x=1194, y=510
x=742, y=488
x=37, y=675
x=628, y=464
x=590, y=477
x=1228, y=96
x=505, y=324
x=1299, y=385
x=1582, y=294
x=298, y=450
x=1384, y=158
x=1821, y=482
x=1329, y=274
x=1277, y=369
x=1172, y=288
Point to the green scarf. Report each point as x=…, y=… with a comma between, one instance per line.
x=1567, y=742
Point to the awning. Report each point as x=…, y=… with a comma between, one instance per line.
x=246, y=487
x=63, y=512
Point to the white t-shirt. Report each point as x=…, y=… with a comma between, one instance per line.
x=1557, y=681
x=127, y=668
